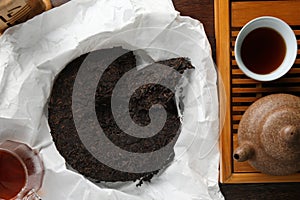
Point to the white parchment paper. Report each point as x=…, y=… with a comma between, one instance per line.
x=33, y=53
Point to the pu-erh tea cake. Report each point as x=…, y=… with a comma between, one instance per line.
x=64, y=132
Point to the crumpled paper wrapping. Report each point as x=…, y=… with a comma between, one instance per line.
x=33, y=53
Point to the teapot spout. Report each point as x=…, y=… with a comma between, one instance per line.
x=244, y=152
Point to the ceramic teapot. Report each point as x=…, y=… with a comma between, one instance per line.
x=269, y=135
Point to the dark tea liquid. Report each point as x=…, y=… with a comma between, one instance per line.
x=12, y=175
x=263, y=50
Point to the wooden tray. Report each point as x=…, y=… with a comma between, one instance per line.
x=242, y=91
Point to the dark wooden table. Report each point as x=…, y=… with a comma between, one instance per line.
x=203, y=10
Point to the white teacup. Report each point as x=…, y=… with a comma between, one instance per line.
x=288, y=58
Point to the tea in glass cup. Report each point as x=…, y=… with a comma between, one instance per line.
x=21, y=171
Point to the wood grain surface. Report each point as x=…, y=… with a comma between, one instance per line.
x=203, y=10
x=241, y=91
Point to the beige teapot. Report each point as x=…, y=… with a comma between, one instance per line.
x=269, y=135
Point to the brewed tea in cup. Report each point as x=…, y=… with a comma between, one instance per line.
x=21, y=171
x=265, y=48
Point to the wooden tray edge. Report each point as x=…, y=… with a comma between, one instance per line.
x=227, y=175
x=222, y=23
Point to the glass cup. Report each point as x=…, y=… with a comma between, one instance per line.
x=21, y=171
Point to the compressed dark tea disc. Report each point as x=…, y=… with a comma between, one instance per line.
x=64, y=131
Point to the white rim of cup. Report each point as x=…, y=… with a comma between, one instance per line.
x=290, y=40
